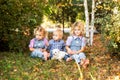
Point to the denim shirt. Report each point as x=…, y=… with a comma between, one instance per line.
x=37, y=43
x=56, y=45
x=75, y=43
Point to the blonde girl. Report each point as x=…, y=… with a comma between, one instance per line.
x=39, y=44
x=75, y=45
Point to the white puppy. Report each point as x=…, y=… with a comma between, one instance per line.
x=57, y=54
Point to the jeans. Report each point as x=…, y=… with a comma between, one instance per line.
x=76, y=57
x=37, y=53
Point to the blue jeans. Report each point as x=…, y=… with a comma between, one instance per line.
x=37, y=53
x=76, y=57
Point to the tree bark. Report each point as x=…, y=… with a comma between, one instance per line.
x=86, y=20
x=92, y=22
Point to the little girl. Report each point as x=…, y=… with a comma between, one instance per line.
x=56, y=42
x=39, y=44
x=75, y=45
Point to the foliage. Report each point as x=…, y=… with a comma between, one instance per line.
x=103, y=13
x=66, y=10
x=20, y=66
x=109, y=24
x=18, y=17
x=113, y=33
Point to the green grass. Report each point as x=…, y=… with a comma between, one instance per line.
x=20, y=66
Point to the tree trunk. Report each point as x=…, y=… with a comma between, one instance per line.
x=92, y=22
x=86, y=20
x=63, y=19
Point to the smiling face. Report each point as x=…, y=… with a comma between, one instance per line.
x=77, y=31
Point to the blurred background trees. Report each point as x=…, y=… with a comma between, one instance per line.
x=19, y=17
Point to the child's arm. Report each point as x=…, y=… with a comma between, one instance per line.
x=81, y=50
x=31, y=45
x=63, y=46
x=69, y=51
x=68, y=42
x=49, y=45
x=46, y=45
x=42, y=50
x=83, y=46
x=31, y=49
x=74, y=52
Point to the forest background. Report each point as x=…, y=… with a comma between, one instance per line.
x=18, y=18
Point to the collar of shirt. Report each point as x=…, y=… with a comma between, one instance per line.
x=75, y=37
x=56, y=40
x=37, y=39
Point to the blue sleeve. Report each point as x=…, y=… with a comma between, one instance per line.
x=83, y=42
x=63, y=46
x=50, y=44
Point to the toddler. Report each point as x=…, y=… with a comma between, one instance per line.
x=39, y=44
x=56, y=42
x=75, y=45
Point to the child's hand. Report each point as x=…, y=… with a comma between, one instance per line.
x=76, y=52
x=42, y=50
x=46, y=55
x=70, y=51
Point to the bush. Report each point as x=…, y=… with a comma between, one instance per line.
x=113, y=33
x=109, y=24
x=17, y=16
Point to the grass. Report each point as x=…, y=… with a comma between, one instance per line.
x=20, y=66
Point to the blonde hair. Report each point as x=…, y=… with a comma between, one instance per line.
x=78, y=24
x=60, y=32
x=40, y=29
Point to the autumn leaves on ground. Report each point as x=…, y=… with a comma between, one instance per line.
x=20, y=66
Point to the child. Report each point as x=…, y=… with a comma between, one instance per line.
x=56, y=42
x=39, y=44
x=75, y=45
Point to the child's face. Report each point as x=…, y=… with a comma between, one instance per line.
x=77, y=31
x=56, y=36
x=39, y=35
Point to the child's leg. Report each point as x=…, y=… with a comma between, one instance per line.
x=33, y=54
x=84, y=62
x=81, y=57
x=50, y=55
x=46, y=55
x=76, y=58
x=67, y=58
x=36, y=53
